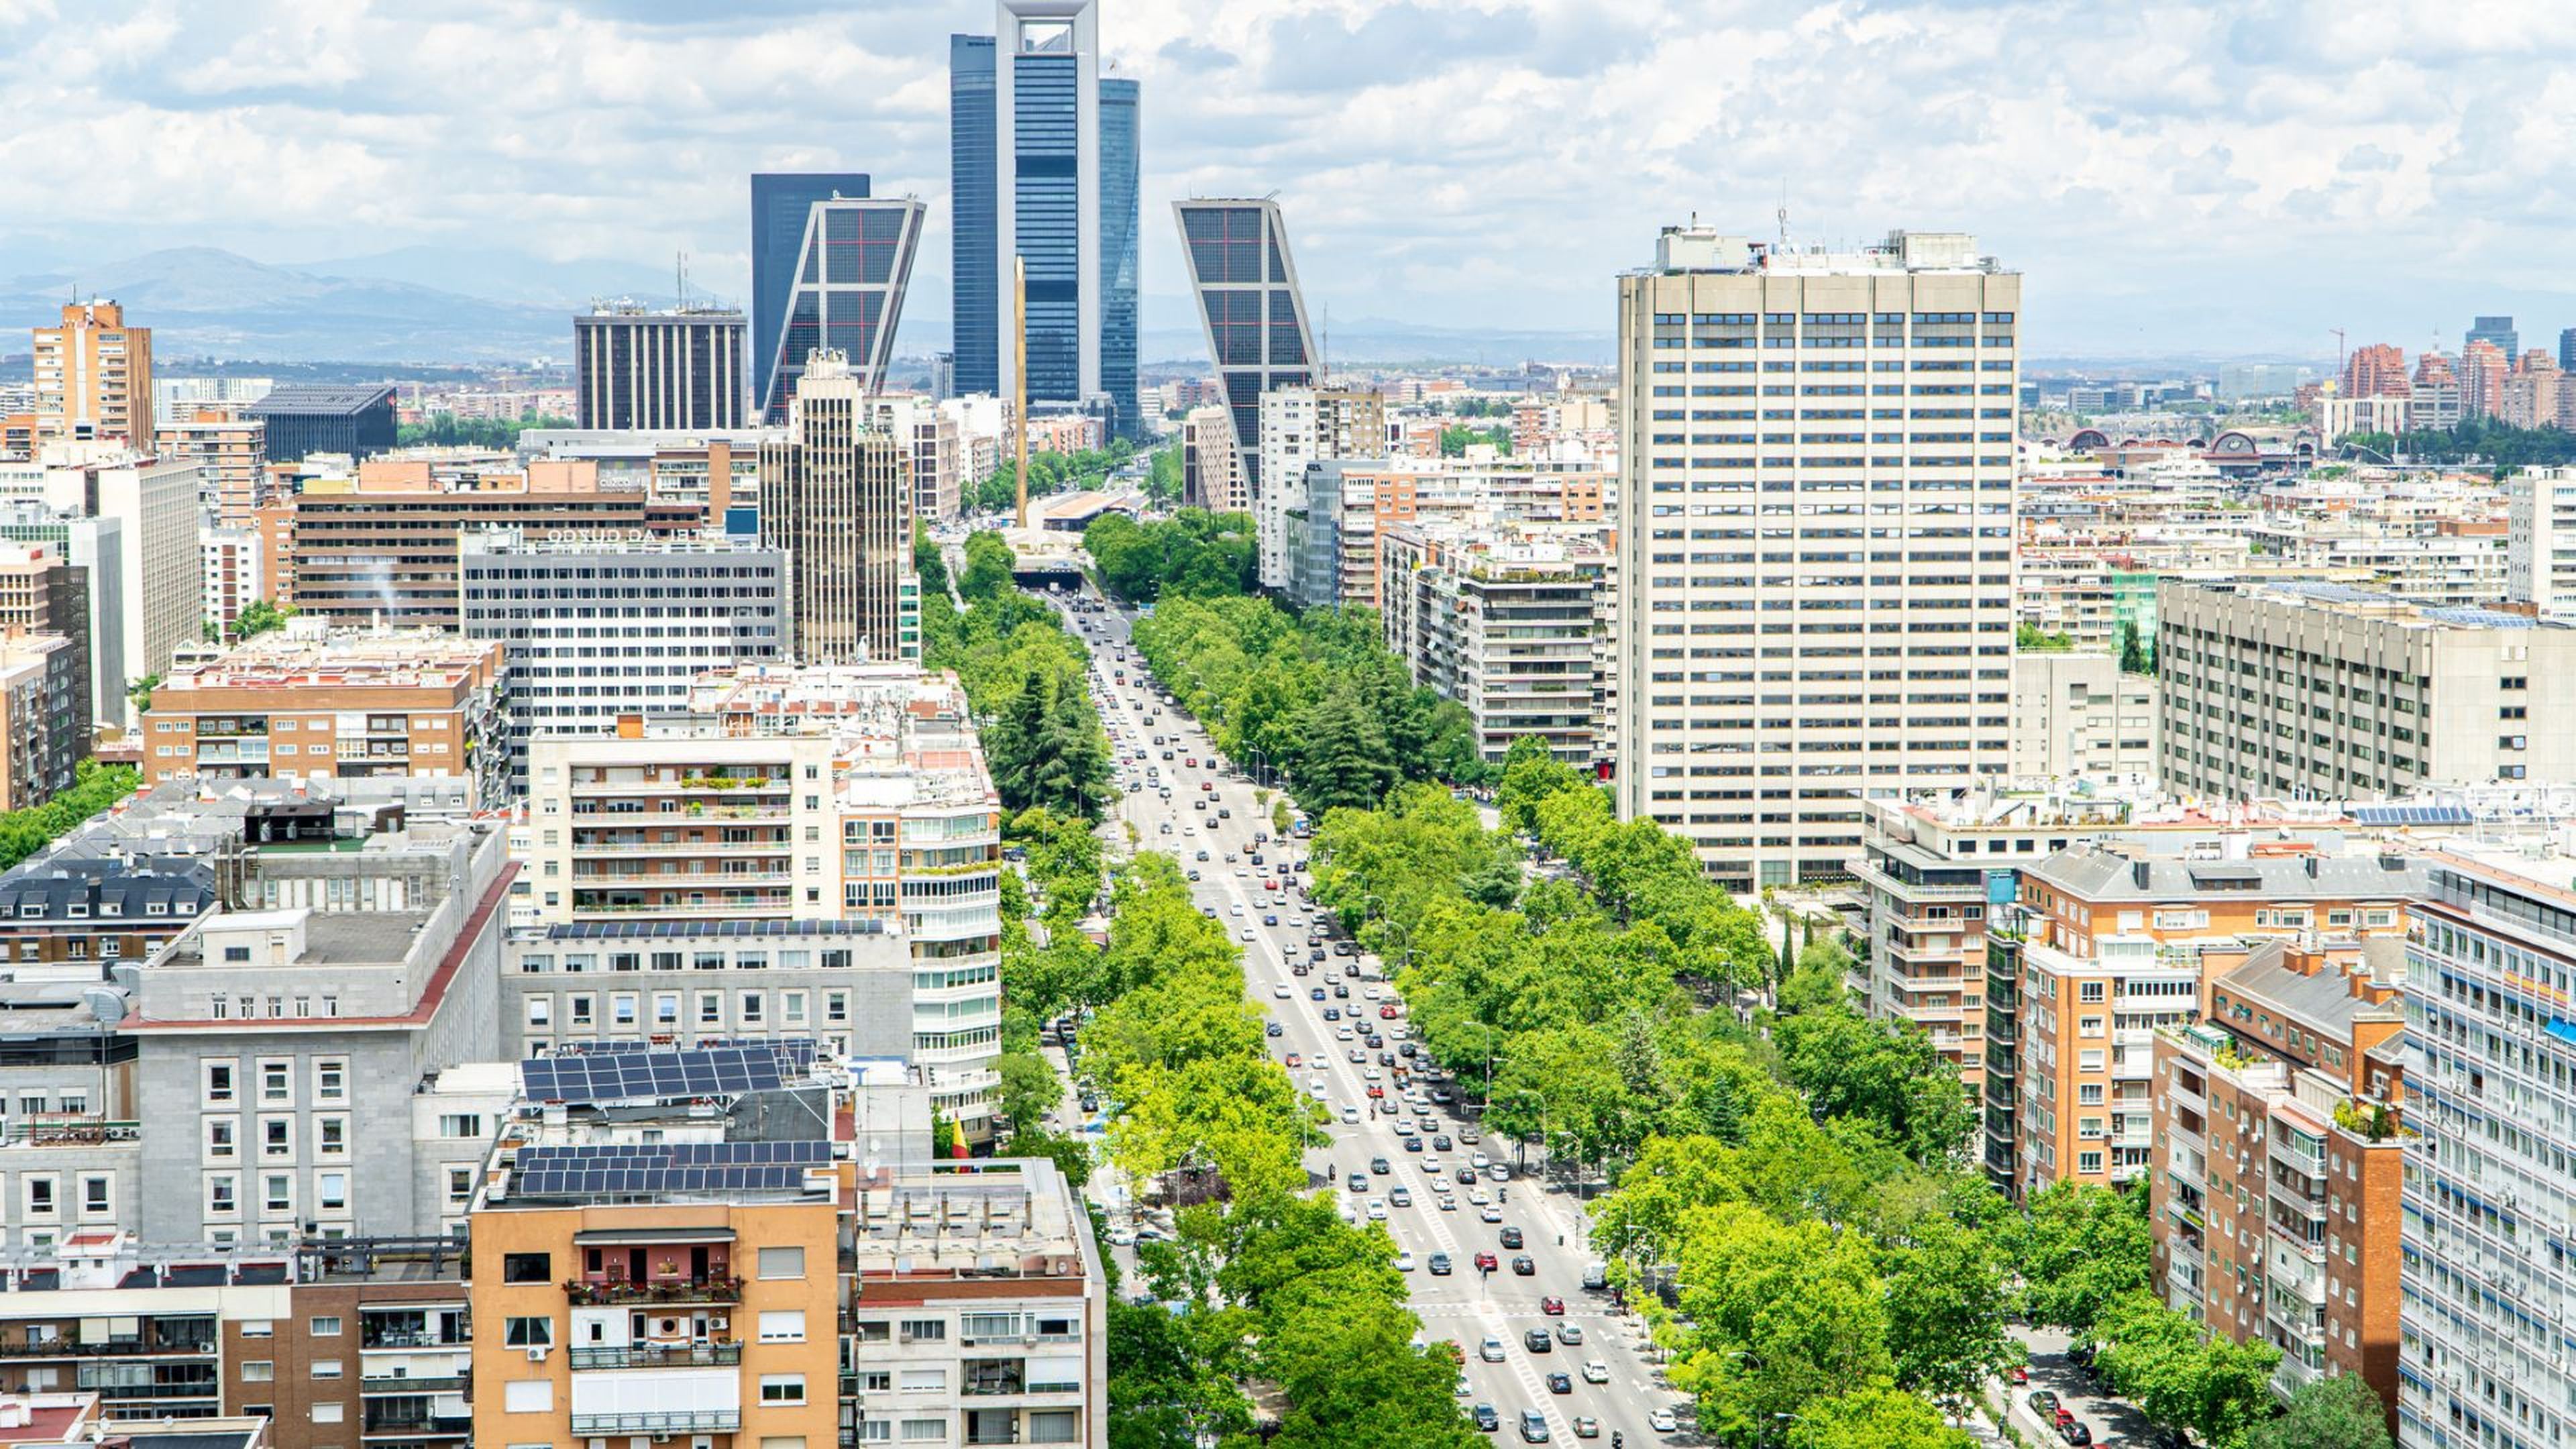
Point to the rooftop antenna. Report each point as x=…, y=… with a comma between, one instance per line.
x=2339, y=357
x=680, y=276
x=1783, y=214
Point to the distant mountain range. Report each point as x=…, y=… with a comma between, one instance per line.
x=205, y=302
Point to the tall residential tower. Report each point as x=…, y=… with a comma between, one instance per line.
x=1816, y=495
x=1043, y=166
x=836, y=493
x=1250, y=308
x=94, y=376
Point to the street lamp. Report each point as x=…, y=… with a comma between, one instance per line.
x=1260, y=772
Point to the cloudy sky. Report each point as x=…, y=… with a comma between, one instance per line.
x=2208, y=176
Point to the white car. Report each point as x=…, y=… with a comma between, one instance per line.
x=1491, y=1350
x=1478, y=1161
x=1340, y=1033
x=1403, y=1126
x=1235, y=910
x=1249, y=934
x=1349, y=1114
x=1661, y=1421
x=1447, y=1203
x=1377, y=1209
x=1478, y=1195
x=1491, y=1213
x=1404, y=1262
x=1369, y=992
x=1595, y=1371
x=1431, y=1167
x=1280, y=991
x=1371, y=1073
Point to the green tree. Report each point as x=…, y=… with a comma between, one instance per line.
x=2078, y=1248
x=1163, y=476
x=929, y=560
x=1886, y=1073
x=2335, y=1411
x=2134, y=657
x=1949, y=1310
x=260, y=616
x=1875, y=1417
x=1344, y=758
x=1781, y=1315
x=2030, y=638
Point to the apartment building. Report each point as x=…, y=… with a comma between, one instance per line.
x=2486, y=1296
x=44, y=702
x=754, y=1241
x=306, y=703
x=1855, y=642
x=847, y=984
x=836, y=497
x=1508, y=624
x=2103, y=947
x=93, y=377
x=231, y=457
x=2540, y=540
x=597, y=627
x=823, y=794
x=1211, y=465
x=2334, y=692
x=2273, y=1199
x=1300, y=425
x=381, y=546
x=235, y=578
x=716, y=472
x=2079, y=713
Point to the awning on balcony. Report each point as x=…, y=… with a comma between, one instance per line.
x=632, y=1237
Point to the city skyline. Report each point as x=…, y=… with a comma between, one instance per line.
x=2211, y=186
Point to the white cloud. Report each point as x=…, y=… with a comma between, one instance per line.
x=2170, y=175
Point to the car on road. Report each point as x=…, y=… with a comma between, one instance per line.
x=1586, y=1427
x=1272, y=1029
x=1486, y=1263
x=1662, y=1421
x=1270, y=918
x=1404, y=1262
x=1537, y=1340
x=1332, y=1013
x=1279, y=990
x=1511, y=1237
x=1412, y=1144
x=1560, y=1383
x=1314, y=993
x=1295, y=1059
x=1446, y=1203
x=1554, y=1306
x=1357, y=1182
x=1377, y=1209
x=1523, y=1266
x=1250, y=934
x=1595, y=1371
x=1493, y=1214
x=2044, y=1404
x=1386, y=1012
x=1467, y=1175
x=2074, y=1431
x=1491, y=1350
x=1399, y=1196
x=1439, y=1140
x=1380, y=1166
x=1350, y=1115
x=1533, y=1427
x=1440, y=1265
x=1485, y=1417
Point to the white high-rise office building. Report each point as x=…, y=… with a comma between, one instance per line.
x=1816, y=498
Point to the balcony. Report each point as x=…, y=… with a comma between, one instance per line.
x=658, y=1424
x=415, y=1384
x=106, y=1348
x=396, y=1416
x=371, y=1337
x=656, y=1355
x=659, y=1290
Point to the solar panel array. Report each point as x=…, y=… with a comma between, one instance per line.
x=795, y=1053
x=612, y=1169
x=2414, y=815
x=644, y=1076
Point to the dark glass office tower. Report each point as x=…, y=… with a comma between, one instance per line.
x=1119, y=220
x=780, y=202
x=978, y=310
x=1042, y=156
x=1246, y=285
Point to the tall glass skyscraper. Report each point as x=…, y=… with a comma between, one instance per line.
x=975, y=255
x=1246, y=283
x=847, y=295
x=780, y=205
x=1042, y=155
x=1120, y=214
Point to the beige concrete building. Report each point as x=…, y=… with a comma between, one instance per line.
x=2540, y=540
x=1507, y=623
x=1211, y=465
x=2079, y=713
x=302, y=704
x=1816, y=499
x=44, y=706
x=94, y=377
x=230, y=454
x=2339, y=693
x=836, y=493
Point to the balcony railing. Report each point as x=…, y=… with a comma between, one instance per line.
x=674, y=1421
x=105, y=1348
x=409, y=1338
x=414, y=1384
x=439, y=1424
x=672, y=1290
x=654, y=1355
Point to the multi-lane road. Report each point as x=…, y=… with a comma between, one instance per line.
x=1186, y=808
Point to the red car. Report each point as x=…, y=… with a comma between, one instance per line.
x=1487, y=1263
x=1377, y=1090
x=1552, y=1305
x=1386, y=1012
x=1296, y=1060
